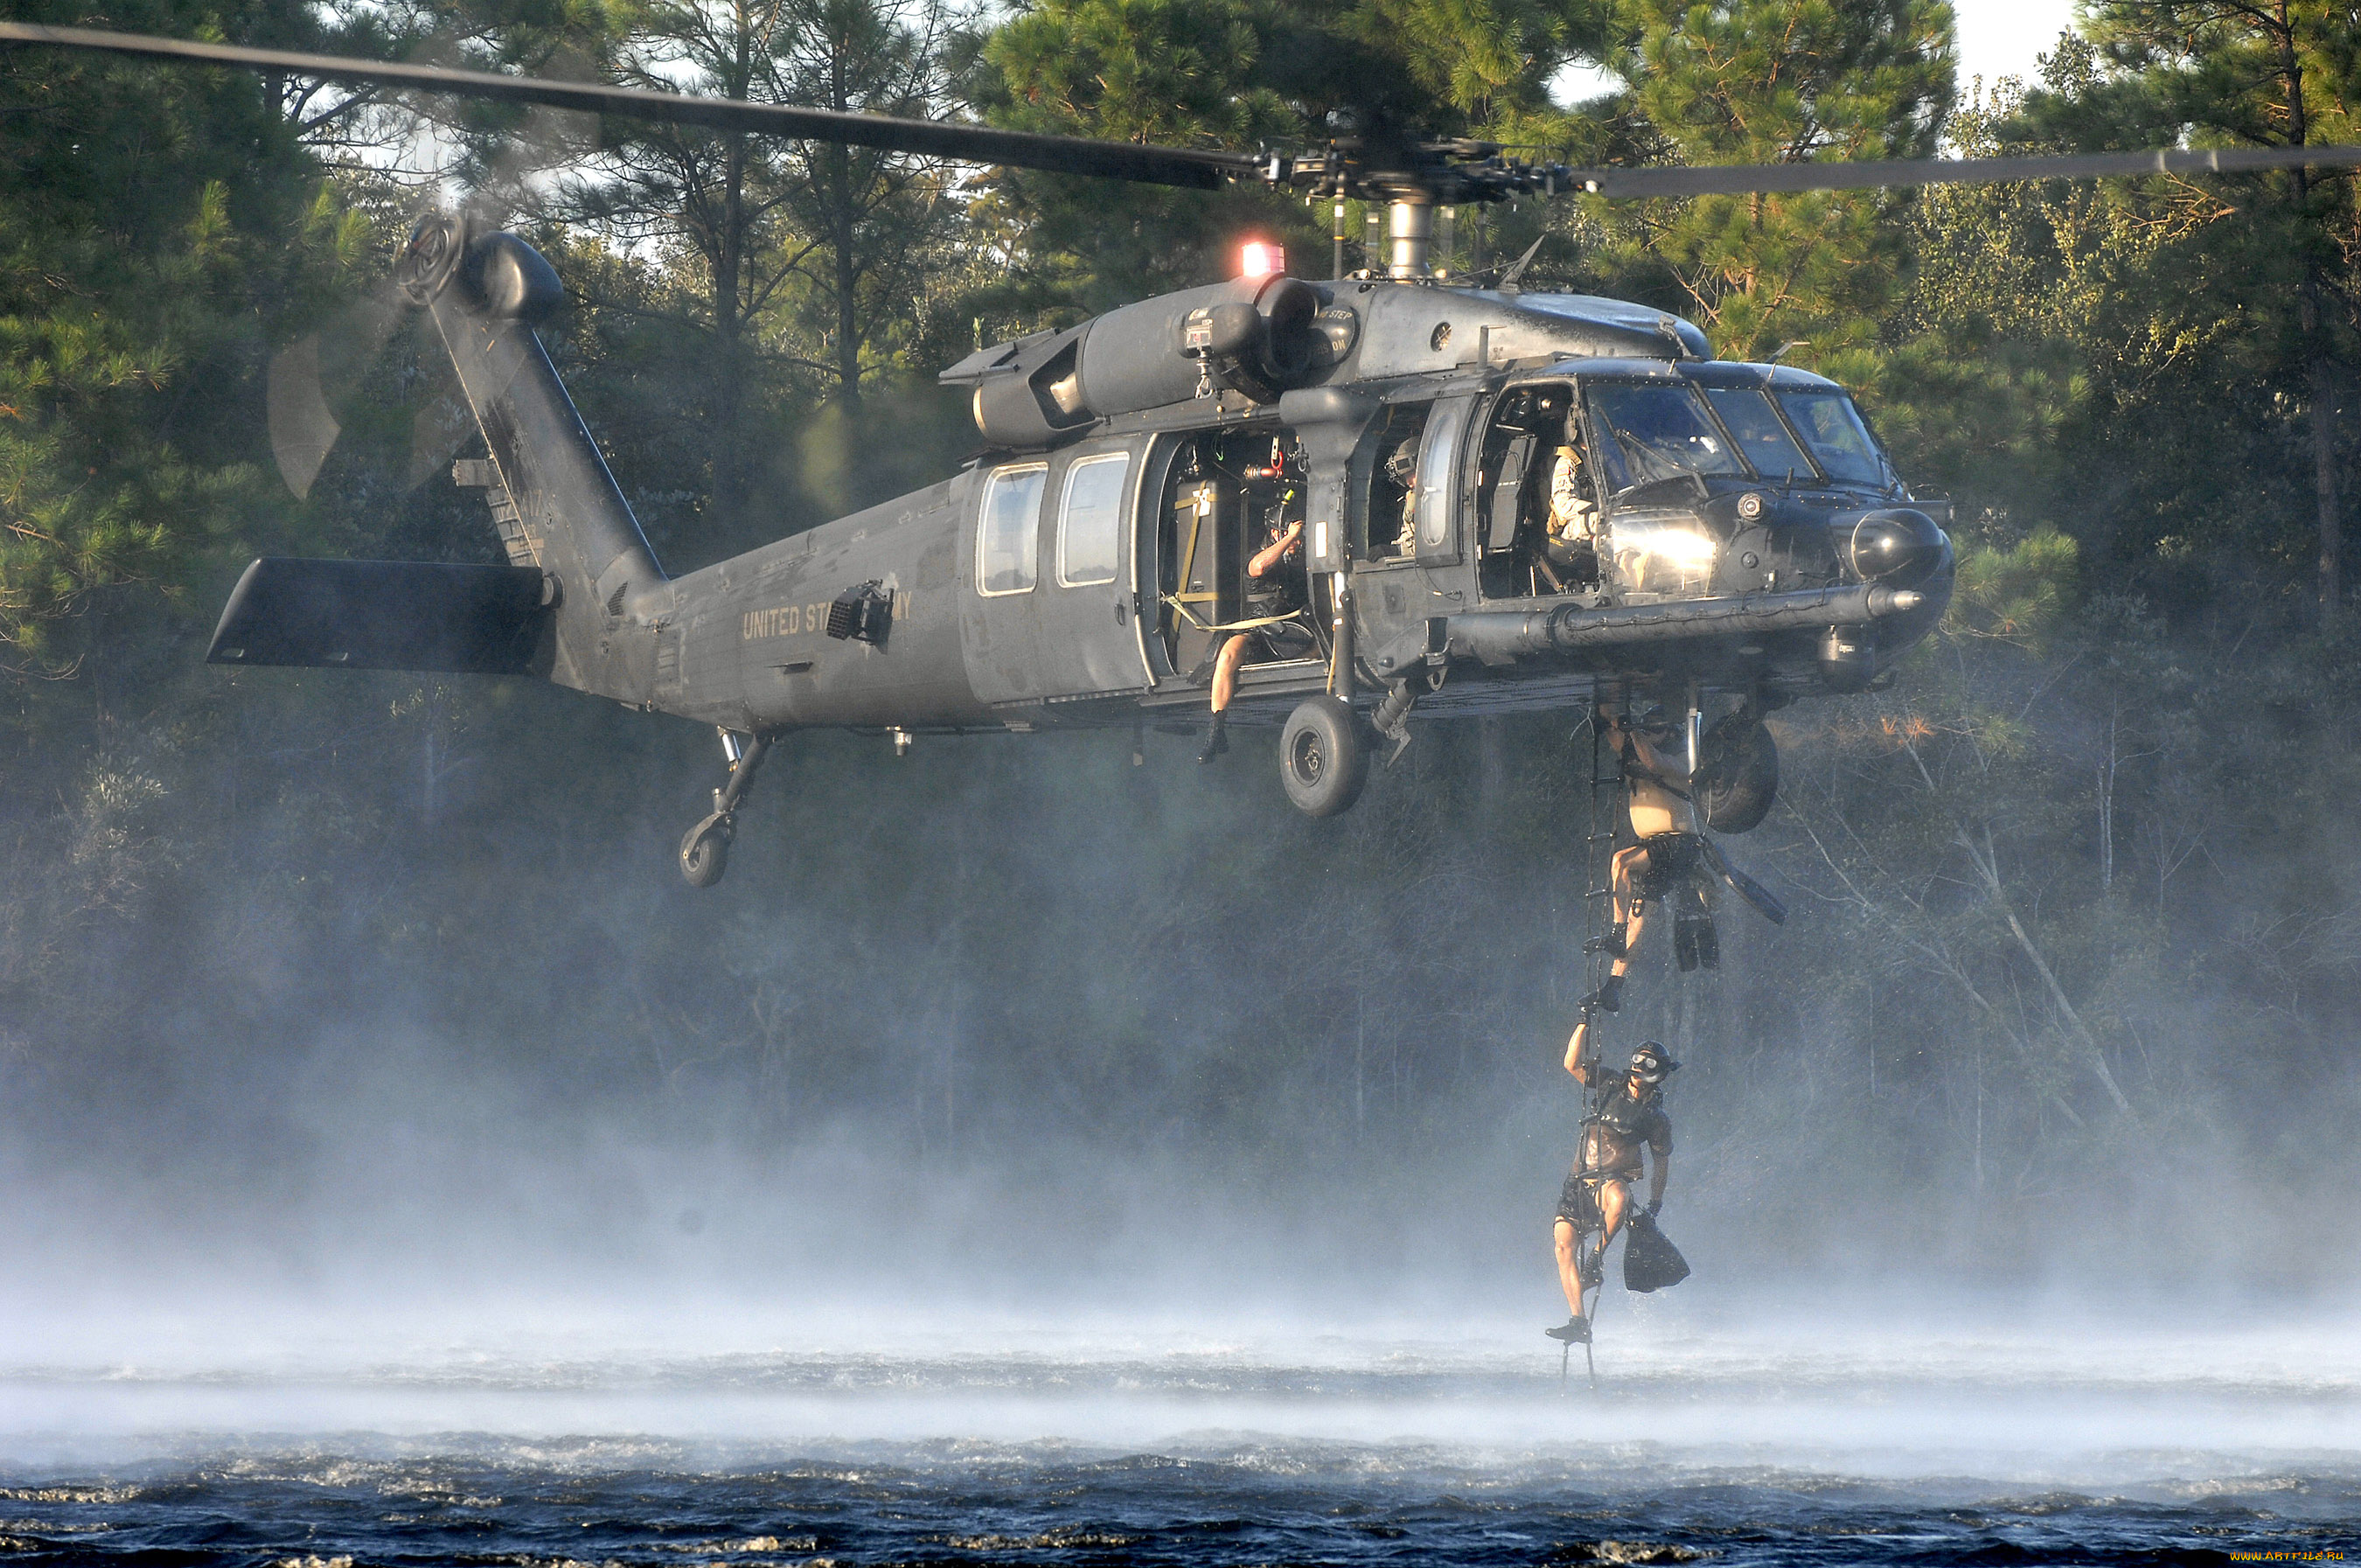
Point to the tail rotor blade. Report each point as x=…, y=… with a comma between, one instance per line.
x=316, y=375
x=302, y=427
x=435, y=436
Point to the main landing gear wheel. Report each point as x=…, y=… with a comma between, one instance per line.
x=1737, y=774
x=1322, y=757
x=705, y=850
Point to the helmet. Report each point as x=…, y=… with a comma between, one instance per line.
x=1652, y=1063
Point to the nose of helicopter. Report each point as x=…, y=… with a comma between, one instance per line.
x=1900, y=546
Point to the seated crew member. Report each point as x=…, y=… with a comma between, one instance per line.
x=1277, y=591
x=1572, y=536
x=1401, y=469
x=1627, y=1117
x=1572, y=517
x=1656, y=793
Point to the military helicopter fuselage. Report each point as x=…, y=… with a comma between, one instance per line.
x=1748, y=541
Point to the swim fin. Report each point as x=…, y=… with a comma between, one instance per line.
x=1765, y=902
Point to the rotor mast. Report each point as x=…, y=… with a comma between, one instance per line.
x=1413, y=176
x=1410, y=236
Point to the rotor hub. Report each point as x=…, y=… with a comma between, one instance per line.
x=430, y=255
x=1414, y=176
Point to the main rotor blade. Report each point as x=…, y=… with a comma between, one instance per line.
x=1194, y=167
x=1758, y=178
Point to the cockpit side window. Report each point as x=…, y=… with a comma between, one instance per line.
x=1393, y=487
x=1746, y=413
x=1658, y=431
x=1832, y=428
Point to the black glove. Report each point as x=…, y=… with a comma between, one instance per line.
x=1653, y=1205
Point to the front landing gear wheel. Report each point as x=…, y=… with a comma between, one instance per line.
x=1737, y=777
x=1322, y=759
x=705, y=850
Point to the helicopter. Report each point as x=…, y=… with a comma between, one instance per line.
x=1747, y=541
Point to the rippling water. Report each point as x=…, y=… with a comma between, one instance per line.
x=1867, y=1447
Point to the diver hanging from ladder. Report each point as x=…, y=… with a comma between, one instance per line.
x=1623, y=1116
x=1670, y=858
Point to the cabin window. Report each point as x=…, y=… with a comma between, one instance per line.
x=1090, y=523
x=1393, y=487
x=1008, y=539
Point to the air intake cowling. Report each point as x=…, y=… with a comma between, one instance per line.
x=1256, y=335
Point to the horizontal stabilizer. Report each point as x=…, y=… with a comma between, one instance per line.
x=383, y=615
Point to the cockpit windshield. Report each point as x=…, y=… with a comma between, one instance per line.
x=1831, y=427
x=1659, y=430
x=1755, y=425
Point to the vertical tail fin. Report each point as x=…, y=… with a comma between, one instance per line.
x=556, y=506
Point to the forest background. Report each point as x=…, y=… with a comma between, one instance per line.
x=298, y=967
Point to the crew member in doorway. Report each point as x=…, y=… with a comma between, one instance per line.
x=1402, y=471
x=1626, y=1117
x=1664, y=858
x=1278, y=590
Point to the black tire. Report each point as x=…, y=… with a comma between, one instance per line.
x=704, y=851
x=1738, y=776
x=1323, y=759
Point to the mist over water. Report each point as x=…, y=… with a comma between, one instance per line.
x=998, y=1166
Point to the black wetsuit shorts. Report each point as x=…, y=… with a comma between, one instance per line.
x=1577, y=1205
x=1283, y=639
x=1671, y=859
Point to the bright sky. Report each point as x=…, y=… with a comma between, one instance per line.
x=2001, y=38
x=1997, y=38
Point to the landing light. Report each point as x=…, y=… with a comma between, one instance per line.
x=1261, y=261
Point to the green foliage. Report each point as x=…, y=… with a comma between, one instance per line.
x=1181, y=72
x=141, y=211
x=1191, y=73
x=1233, y=73
x=2016, y=593
x=1778, y=82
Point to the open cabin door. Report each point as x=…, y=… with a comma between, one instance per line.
x=1214, y=500
x=1048, y=614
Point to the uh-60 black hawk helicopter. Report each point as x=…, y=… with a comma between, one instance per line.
x=1745, y=539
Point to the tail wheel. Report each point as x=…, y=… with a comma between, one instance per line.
x=704, y=851
x=1737, y=774
x=1322, y=759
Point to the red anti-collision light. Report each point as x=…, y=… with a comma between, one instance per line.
x=1261, y=261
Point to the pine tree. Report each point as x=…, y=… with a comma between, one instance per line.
x=1784, y=82
x=2281, y=73
x=148, y=217
x=1238, y=74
